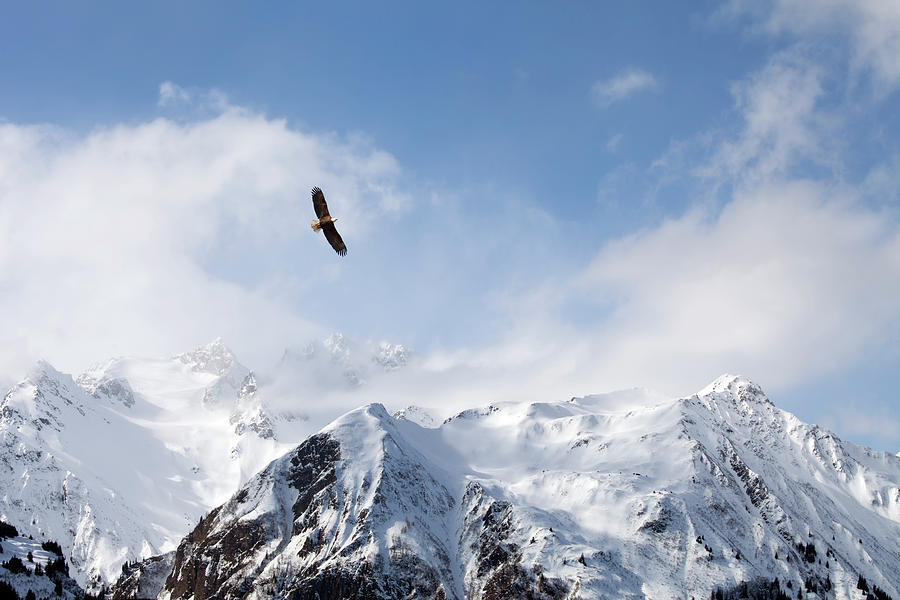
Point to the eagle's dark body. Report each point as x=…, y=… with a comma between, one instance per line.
x=326, y=223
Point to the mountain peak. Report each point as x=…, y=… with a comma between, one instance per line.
x=338, y=346
x=362, y=417
x=41, y=370
x=391, y=356
x=418, y=415
x=735, y=385
x=214, y=358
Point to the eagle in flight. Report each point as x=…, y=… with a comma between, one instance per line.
x=325, y=223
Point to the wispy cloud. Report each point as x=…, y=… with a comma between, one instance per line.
x=877, y=422
x=872, y=28
x=612, y=144
x=782, y=123
x=778, y=283
x=169, y=93
x=172, y=95
x=621, y=86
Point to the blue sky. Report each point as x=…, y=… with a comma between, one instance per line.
x=539, y=198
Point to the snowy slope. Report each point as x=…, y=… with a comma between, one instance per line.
x=31, y=554
x=118, y=463
x=623, y=495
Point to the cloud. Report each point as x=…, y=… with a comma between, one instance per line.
x=153, y=237
x=782, y=123
x=607, y=92
x=169, y=93
x=612, y=144
x=882, y=183
x=871, y=27
x=786, y=282
x=876, y=422
x=150, y=238
x=789, y=274
x=782, y=282
x=781, y=266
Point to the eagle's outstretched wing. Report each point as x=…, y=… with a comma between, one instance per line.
x=319, y=205
x=334, y=238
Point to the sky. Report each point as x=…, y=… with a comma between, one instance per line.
x=542, y=200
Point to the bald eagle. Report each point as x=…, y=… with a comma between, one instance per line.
x=325, y=223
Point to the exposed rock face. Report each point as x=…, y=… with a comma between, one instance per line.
x=316, y=525
x=227, y=551
x=418, y=415
x=391, y=356
x=495, y=569
x=116, y=389
x=249, y=414
x=214, y=358
x=143, y=580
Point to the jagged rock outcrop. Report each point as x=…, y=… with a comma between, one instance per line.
x=143, y=580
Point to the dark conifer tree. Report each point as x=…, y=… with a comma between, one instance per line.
x=8, y=592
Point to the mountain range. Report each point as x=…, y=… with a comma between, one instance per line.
x=178, y=475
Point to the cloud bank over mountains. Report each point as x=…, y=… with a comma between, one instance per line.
x=113, y=239
x=145, y=238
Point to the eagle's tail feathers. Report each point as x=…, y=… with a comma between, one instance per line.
x=316, y=226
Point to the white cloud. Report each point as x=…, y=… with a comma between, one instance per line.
x=870, y=422
x=793, y=276
x=612, y=144
x=172, y=95
x=883, y=180
x=627, y=83
x=782, y=123
x=789, y=278
x=788, y=281
x=169, y=93
x=110, y=240
x=871, y=26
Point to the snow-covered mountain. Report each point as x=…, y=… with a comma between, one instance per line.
x=627, y=495
x=623, y=495
x=337, y=362
x=118, y=463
